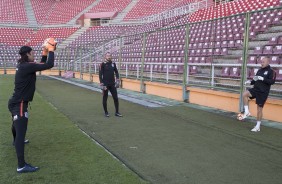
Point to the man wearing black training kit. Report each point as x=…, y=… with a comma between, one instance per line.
x=262, y=81
x=25, y=80
x=107, y=72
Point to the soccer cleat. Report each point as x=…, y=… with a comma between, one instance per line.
x=245, y=115
x=107, y=115
x=256, y=129
x=118, y=114
x=27, y=168
x=25, y=142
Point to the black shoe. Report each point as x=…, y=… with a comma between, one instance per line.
x=25, y=142
x=27, y=168
x=107, y=115
x=118, y=114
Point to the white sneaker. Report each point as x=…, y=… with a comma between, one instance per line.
x=246, y=115
x=256, y=129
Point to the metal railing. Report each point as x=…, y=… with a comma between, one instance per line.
x=183, y=10
x=213, y=54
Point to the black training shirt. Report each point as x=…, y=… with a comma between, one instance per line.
x=107, y=73
x=25, y=78
x=269, y=76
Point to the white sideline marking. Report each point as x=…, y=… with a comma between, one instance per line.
x=99, y=144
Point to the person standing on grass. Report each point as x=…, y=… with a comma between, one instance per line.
x=107, y=74
x=264, y=78
x=25, y=79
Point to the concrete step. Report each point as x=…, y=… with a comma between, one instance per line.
x=274, y=31
x=122, y=14
x=253, y=44
x=30, y=13
x=276, y=28
x=72, y=37
x=226, y=60
x=235, y=52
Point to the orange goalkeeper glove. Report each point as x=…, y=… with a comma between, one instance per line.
x=50, y=44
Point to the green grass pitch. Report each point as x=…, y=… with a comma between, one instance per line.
x=168, y=145
x=63, y=153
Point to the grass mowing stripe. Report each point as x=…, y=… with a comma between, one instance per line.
x=62, y=152
x=168, y=147
x=113, y=154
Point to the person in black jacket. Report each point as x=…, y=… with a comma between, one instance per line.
x=25, y=79
x=262, y=81
x=107, y=74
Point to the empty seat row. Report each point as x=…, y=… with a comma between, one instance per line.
x=268, y=50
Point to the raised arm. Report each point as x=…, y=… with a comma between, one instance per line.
x=34, y=67
x=44, y=55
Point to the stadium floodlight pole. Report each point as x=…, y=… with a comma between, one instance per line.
x=212, y=46
x=4, y=63
x=64, y=61
x=80, y=62
x=68, y=58
x=59, y=64
x=184, y=85
x=119, y=54
x=95, y=62
x=74, y=59
x=142, y=85
x=244, y=64
x=90, y=67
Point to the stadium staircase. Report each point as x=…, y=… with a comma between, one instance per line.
x=72, y=38
x=30, y=14
x=261, y=40
x=72, y=21
x=119, y=18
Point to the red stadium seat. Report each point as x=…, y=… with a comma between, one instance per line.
x=193, y=70
x=275, y=60
x=273, y=41
x=267, y=50
x=277, y=50
x=258, y=50
x=252, y=60
x=235, y=72
x=225, y=72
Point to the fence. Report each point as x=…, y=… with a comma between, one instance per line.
x=219, y=54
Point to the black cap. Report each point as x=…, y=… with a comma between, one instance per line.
x=24, y=50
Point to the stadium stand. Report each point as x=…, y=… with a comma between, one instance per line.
x=149, y=7
x=203, y=43
x=110, y=6
x=99, y=34
x=230, y=8
x=57, y=12
x=207, y=43
x=59, y=33
x=28, y=36
x=11, y=12
x=14, y=36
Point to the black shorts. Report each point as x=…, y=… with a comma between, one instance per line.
x=259, y=96
x=19, y=108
